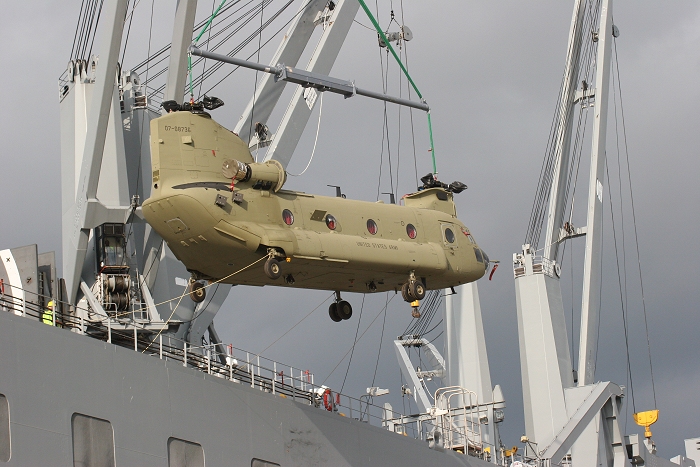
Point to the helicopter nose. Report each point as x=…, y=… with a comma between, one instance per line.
x=486, y=259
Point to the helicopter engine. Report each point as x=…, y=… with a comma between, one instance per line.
x=270, y=174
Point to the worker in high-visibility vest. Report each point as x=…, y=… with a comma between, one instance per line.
x=47, y=316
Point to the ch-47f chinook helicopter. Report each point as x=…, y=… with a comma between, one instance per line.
x=219, y=211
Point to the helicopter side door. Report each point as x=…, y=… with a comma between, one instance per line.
x=450, y=243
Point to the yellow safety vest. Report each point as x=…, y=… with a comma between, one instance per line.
x=47, y=317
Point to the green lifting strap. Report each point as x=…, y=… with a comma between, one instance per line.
x=405, y=72
x=209, y=22
x=381, y=34
x=199, y=36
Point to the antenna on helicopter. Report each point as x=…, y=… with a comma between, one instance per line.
x=338, y=193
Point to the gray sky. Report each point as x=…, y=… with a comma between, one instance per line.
x=490, y=71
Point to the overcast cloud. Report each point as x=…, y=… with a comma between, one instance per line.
x=491, y=72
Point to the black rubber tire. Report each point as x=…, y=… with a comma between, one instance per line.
x=344, y=309
x=404, y=293
x=417, y=290
x=333, y=312
x=272, y=268
x=197, y=292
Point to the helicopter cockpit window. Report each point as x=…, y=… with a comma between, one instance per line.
x=331, y=223
x=411, y=231
x=479, y=257
x=466, y=232
x=288, y=217
x=372, y=227
x=449, y=235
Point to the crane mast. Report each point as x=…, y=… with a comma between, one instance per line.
x=565, y=415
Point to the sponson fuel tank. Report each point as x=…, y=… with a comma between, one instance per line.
x=219, y=211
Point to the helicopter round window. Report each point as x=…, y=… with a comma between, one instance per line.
x=288, y=217
x=449, y=235
x=372, y=227
x=411, y=231
x=331, y=223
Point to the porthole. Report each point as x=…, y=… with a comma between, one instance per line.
x=4, y=429
x=93, y=439
x=372, y=227
x=411, y=231
x=288, y=217
x=262, y=463
x=449, y=235
x=183, y=453
x=331, y=223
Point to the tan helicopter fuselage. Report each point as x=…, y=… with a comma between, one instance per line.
x=215, y=231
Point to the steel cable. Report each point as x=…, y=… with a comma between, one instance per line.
x=347, y=370
x=358, y=340
x=634, y=220
x=619, y=281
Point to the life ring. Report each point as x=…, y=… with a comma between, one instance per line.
x=328, y=400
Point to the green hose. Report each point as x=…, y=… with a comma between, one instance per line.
x=199, y=36
x=209, y=22
x=381, y=34
x=405, y=72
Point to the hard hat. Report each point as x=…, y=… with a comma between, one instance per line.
x=50, y=304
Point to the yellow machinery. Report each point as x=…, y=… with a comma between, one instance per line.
x=646, y=419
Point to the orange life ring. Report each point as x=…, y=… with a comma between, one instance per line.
x=328, y=400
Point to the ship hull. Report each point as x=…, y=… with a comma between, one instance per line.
x=48, y=375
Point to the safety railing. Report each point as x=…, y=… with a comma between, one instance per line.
x=458, y=415
x=527, y=456
x=540, y=265
x=215, y=359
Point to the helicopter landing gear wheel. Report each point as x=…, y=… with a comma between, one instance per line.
x=416, y=289
x=339, y=309
x=404, y=293
x=272, y=268
x=413, y=290
x=197, y=292
x=344, y=309
x=333, y=312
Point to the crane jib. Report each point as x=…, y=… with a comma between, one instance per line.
x=309, y=79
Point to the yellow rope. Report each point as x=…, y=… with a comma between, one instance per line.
x=179, y=299
x=206, y=286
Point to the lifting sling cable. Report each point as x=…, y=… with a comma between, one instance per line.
x=199, y=36
x=381, y=34
x=405, y=72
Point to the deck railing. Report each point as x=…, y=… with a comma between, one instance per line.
x=540, y=265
